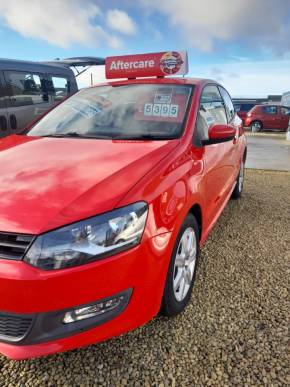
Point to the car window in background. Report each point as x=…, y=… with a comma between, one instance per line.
x=285, y=111
x=228, y=103
x=269, y=109
x=211, y=111
x=60, y=87
x=133, y=111
x=24, y=88
x=247, y=107
x=2, y=96
x=243, y=107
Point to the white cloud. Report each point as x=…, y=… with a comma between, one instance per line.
x=59, y=22
x=261, y=23
x=120, y=21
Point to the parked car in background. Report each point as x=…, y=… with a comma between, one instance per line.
x=29, y=89
x=242, y=110
x=268, y=117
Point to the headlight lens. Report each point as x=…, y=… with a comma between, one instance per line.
x=90, y=239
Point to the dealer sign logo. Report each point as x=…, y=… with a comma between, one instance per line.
x=171, y=62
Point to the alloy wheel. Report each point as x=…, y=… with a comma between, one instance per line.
x=256, y=126
x=184, y=264
x=241, y=176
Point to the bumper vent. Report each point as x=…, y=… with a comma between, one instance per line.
x=14, y=246
x=12, y=327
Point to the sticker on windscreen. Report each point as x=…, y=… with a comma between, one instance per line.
x=161, y=110
x=89, y=110
x=162, y=98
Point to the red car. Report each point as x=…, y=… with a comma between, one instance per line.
x=104, y=205
x=268, y=117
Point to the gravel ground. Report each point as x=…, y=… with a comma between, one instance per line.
x=234, y=332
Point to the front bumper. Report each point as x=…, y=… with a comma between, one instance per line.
x=29, y=329
x=25, y=290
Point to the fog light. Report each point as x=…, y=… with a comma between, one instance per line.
x=93, y=310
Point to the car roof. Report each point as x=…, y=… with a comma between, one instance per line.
x=23, y=65
x=162, y=80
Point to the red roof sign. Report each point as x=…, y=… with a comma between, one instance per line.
x=147, y=65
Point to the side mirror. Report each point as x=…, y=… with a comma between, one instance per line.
x=220, y=133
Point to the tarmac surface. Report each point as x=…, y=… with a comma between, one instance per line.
x=268, y=151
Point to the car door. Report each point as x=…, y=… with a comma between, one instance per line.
x=285, y=117
x=270, y=117
x=218, y=158
x=4, y=129
x=235, y=122
x=27, y=98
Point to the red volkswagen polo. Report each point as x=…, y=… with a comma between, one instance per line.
x=106, y=201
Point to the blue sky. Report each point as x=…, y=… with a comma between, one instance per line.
x=244, y=44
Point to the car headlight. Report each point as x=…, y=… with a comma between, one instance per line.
x=90, y=239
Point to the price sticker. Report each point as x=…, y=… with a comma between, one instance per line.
x=148, y=107
x=165, y=110
x=173, y=111
x=161, y=110
x=157, y=109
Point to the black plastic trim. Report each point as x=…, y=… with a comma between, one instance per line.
x=49, y=326
x=217, y=140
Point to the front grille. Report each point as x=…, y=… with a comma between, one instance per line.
x=14, y=246
x=13, y=327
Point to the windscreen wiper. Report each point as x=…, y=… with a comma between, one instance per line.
x=143, y=137
x=77, y=135
x=69, y=134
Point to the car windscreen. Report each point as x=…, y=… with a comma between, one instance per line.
x=127, y=111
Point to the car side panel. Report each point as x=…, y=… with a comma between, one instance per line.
x=284, y=120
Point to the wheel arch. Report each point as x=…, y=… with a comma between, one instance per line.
x=196, y=211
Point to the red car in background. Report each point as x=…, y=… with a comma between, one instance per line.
x=268, y=117
x=105, y=203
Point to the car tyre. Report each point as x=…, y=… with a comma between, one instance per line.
x=256, y=126
x=237, y=192
x=182, y=269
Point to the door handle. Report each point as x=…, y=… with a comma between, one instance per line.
x=13, y=121
x=3, y=123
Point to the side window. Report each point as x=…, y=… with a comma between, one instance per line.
x=285, y=111
x=211, y=111
x=269, y=109
x=60, y=87
x=24, y=88
x=228, y=103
